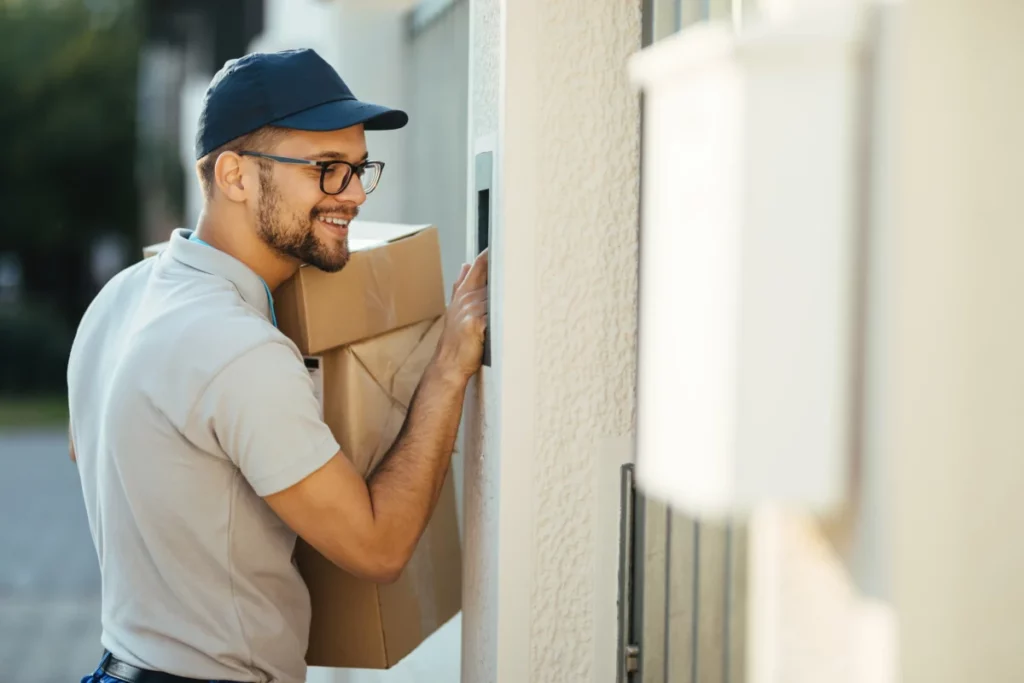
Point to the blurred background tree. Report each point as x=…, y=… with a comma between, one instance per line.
x=68, y=78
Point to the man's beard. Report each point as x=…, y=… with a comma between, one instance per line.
x=298, y=241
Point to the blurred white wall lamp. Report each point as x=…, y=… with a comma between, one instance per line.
x=383, y=5
x=748, y=263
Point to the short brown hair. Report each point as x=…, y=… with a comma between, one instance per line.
x=256, y=141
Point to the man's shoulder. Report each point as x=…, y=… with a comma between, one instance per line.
x=176, y=324
x=112, y=305
x=128, y=282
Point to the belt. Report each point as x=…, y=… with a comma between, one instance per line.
x=112, y=666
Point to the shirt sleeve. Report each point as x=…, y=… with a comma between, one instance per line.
x=261, y=411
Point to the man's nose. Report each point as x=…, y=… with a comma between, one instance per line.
x=354, y=192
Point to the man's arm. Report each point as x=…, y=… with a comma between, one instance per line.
x=371, y=528
x=405, y=486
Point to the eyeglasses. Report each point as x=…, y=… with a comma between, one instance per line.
x=334, y=175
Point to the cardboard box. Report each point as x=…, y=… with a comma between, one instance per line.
x=368, y=333
x=153, y=249
x=367, y=388
x=361, y=625
x=393, y=279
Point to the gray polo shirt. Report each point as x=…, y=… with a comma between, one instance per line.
x=187, y=406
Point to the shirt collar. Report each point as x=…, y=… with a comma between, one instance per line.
x=206, y=259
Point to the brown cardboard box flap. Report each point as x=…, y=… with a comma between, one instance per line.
x=397, y=359
x=392, y=280
x=362, y=625
x=345, y=626
x=430, y=590
x=154, y=249
x=368, y=387
x=371, y=234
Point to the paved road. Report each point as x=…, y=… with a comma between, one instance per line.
x=49, y=577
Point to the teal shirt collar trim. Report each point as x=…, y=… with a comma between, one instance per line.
x=270, y=298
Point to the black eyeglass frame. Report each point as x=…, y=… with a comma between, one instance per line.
x=354, y=169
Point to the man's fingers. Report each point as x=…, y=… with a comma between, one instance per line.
x=474, y=296
x=460, y=279
x=476, y=309
x=477, y=276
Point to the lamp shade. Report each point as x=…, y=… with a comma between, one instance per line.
x=748, y=264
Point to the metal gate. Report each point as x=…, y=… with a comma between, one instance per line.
x=683, y=583
x=682, y=607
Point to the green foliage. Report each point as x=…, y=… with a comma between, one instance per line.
x=34, y=345
x=49, y=412
x=68, y=81
x=68, y=74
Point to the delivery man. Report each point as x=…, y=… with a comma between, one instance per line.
x=193, y=420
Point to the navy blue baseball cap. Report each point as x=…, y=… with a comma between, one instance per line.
x=289, y=89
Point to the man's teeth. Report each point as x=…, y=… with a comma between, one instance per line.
x=336, y=221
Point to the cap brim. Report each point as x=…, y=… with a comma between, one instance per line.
x=344, y=114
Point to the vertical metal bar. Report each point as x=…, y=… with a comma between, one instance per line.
x=737, y=653
x=727, y=606
x=641, y=589
x=668, y=596
x=647, y=23
x=627, y=517
x=695, y=631
x=680, y=598
x=662, y=17
x=711, y=600
x=655, y=590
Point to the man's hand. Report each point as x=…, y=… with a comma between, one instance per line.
x=461, y=347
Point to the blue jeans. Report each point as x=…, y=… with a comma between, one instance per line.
x=99, y=677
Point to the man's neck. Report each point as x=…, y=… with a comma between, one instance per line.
x=245, y=246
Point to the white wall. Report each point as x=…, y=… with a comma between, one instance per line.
x=934, y=526
x=955, y=439
x=367, y=47
x=556, y=413
x=437, y=92
x=191, y=104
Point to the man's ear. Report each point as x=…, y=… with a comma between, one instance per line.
x=229, y=174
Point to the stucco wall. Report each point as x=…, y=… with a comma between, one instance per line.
x=559, y=408
x=586, y=253
x=484, y=70
x=480, y=476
